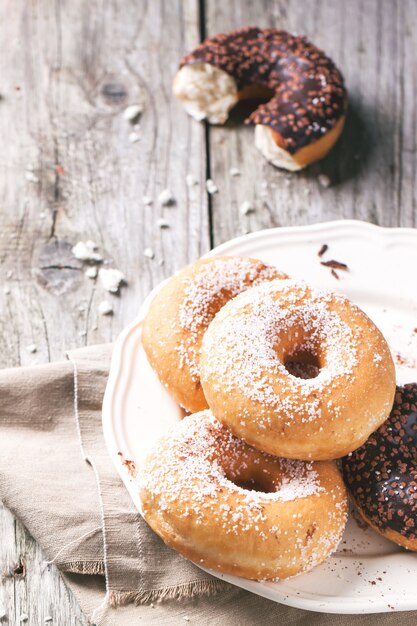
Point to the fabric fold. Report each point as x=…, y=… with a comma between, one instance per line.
x=56, y=476
x=139, y=567
x=44, y=479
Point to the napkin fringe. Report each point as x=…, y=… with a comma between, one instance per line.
x=175, y=592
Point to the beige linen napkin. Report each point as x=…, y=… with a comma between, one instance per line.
x=56, y=476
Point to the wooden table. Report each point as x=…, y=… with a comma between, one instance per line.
x=70, y=171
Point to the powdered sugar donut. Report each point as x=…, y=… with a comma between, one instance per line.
x=227, y=506
x=306, y=97
x=180, y=313
x=250, y=356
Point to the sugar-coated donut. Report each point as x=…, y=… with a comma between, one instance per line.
x=249, y=360
x=382, y=475
x=307, y=99
x=180, y=313
x=227, y=506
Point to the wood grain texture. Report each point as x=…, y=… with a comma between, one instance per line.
x=372, y=169
x=68, y=172
x=40, y=592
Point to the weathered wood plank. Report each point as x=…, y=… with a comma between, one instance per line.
x=373, y=167
x=70, y=171
x=39, y=592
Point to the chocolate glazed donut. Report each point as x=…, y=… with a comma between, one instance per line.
x=308, y=100
x=382, y=475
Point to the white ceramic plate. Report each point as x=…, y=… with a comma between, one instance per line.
x=367, y=574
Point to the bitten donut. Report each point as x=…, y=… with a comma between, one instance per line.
x=306, y=97
x=297, y=372
x=227, y=506
x=382, y=475
x=180, y=313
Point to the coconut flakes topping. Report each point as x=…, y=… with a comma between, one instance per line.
x=206, y=292
x=242, y=351
x=193, y=475
x=190, y=477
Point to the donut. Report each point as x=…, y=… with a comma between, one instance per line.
x=298, y=372
x=232, y=508
x=382, y=475
x=180, y=313
x=306, y=98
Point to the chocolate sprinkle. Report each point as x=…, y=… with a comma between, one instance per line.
x=323, y=249
x=335, y=274
x=336, y=265
x=309, y=93
x=382, y=474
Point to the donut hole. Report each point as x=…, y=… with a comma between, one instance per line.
x=256, y=481
x=303, y=365
x=250, y=97
x=256, y=92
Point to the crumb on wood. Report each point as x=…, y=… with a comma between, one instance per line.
x=211, y=186
x=191, y=180
x=91, y=272
x=246, y=207
x=166, y=198
x=132, y=113
x=105, y=308
x=87, y=251
x=324, y=180
x=162, y=223
x=111, y=279
x=134, y=136
x=149, y=253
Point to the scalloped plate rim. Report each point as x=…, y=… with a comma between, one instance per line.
x=310, y=601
